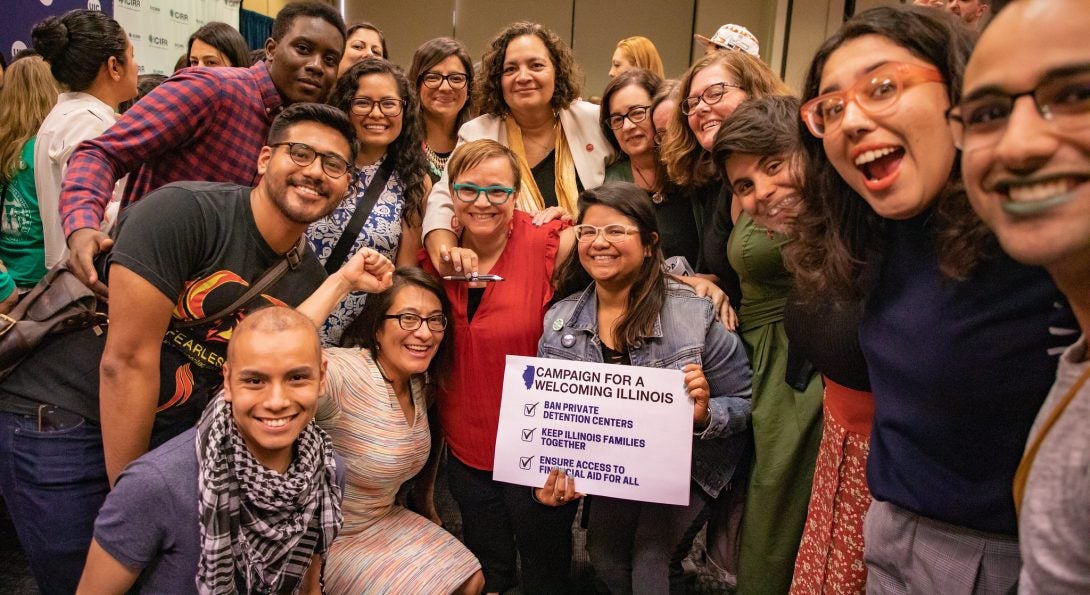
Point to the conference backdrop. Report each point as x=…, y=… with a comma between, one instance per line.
x=159, y=29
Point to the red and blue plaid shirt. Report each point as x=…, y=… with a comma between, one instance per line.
x=203, y=124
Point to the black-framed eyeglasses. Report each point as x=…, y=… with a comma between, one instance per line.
x=635, y=114
x=495, y=194
x=389, y=106
x=614, y=232
x=434, y=80
x=711, y=96
x=1062, y=99
x=410, y=322
x=303, y=155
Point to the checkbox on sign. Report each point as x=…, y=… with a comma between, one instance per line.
x=528, y=435
x=524, y=462
x=529, y=409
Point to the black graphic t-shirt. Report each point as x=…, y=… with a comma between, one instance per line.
x=198, y=244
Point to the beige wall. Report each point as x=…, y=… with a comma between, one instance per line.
x=600, y=25
x=593, y=27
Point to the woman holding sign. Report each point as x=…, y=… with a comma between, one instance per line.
x=633, y=313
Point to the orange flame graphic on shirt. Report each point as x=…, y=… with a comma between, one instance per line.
x=190, y=304
x=183, y=388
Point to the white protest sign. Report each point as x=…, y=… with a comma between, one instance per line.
x=620, y=431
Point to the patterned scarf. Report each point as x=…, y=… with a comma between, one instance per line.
x=255, y=522
x=567, y=189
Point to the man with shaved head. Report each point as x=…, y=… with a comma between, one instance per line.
x=258, y=459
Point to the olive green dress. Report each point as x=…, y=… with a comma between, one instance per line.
x=786, y=422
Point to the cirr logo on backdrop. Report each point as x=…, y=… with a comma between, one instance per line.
x=134, y=4
x=157, y=41
x=179, y=16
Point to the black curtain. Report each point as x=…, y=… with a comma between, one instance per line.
x=255, y=28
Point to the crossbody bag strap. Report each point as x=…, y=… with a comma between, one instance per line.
x=362, y=212
x=271, y=275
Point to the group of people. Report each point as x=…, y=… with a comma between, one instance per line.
x=315, y=263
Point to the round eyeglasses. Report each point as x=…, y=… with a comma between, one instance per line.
x=363, y=106
x=303, y=155
x=635, y=115
x=614, y=232
x=711, y=96
x=434, y=80
x=410, y=322
x=875, y=93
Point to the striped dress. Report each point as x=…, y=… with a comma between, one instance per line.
x=382, y=547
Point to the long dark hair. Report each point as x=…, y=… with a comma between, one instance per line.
x=488, y=92
x=224, y=38
x=410, y=164
x=434, y=51
x=839, y=236
x=647, y=295
x=363, y=331
x=77, y=44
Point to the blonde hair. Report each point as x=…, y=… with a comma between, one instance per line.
x=28, y=94
x=687, y=163
x=642, y=54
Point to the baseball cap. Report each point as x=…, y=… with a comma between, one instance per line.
x=733, y=37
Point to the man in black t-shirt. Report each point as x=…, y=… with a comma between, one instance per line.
x=69, y=424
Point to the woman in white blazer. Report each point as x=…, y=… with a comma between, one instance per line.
x=528, y=92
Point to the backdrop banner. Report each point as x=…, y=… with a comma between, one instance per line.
x=160, y=29
x=17, y=18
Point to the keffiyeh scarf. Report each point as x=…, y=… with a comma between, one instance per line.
x=262, y=525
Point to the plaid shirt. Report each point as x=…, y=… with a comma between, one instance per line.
x=204, y=124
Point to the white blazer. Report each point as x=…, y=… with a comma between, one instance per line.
x=590, y=151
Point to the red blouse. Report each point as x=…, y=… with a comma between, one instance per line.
x=507, y=322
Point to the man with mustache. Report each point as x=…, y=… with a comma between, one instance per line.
x=185, y=252
x=1024, y=132
x=203, y=124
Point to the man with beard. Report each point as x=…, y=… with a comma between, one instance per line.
x=185, y=252
x=202, y=124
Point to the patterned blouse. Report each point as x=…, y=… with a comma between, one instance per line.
x=381, y=231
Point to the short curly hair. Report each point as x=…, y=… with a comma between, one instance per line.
x=488, y=91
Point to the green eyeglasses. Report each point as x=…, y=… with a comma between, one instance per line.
x=496, y=194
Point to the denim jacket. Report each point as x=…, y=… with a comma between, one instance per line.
x=686, y=332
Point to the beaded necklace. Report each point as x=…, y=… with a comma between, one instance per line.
x=438, y=164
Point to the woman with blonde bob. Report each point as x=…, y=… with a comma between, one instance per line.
x=706, y=96
x=26, y=99
x=636, y=52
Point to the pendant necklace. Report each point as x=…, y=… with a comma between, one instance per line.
x=656, y=197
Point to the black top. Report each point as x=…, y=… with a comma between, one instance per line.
x=712, y=203
x=610, y=356
x=545, y=178
x=826, y=334
x=474, y=301
x=198, y=244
